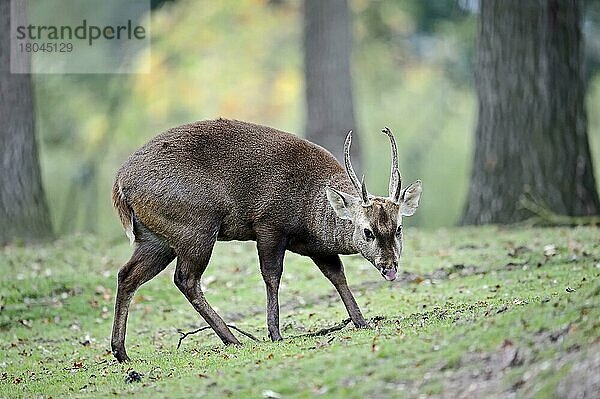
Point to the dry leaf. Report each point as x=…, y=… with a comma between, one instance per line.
x=549, y=250
x=267, y=393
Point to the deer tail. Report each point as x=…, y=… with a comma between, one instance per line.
x=123, y=209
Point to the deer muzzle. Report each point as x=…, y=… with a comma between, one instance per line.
x=389, y=271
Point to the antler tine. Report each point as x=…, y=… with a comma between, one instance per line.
x=363, y=191
x=395, y=177
x=349, y=168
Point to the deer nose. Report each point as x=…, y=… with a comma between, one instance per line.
x=389, y=270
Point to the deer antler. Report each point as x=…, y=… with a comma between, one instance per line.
x=395, y=177
x=360, y=187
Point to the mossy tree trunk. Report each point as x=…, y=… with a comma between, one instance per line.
x=531, y=135
x=328, y=80
x=23, y=208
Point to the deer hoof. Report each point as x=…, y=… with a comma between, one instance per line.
x=363, y=325
x=121, y=356
x=275, y=337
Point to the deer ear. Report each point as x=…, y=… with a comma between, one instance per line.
x=409, y=198
x=341, y=203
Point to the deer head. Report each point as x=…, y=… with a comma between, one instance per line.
x=377, y=220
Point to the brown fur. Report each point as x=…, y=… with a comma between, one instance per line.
x=385, y=215
x=253, y=178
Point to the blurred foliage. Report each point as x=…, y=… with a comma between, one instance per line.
x=412, y=71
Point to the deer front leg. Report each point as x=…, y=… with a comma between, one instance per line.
x=271, y=251
x=332, y=268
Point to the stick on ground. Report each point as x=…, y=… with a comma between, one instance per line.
x=337, y=327
x=186, y=334
x=325, y=331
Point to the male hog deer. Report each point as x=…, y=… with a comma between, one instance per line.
x=229, y=180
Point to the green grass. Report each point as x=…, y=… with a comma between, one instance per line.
x=477, y=312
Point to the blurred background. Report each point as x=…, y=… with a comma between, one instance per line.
x=411, y=65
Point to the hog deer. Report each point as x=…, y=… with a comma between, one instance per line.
x=230, y=180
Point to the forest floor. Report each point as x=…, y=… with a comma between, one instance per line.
x=476, y=312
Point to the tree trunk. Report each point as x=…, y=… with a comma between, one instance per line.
x=327, y=48
x=23, y=208
x=531, y=134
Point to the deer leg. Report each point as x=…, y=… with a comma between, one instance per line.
x=188, y=273
x=149, y=258
x=271, y=250
x=332, y=268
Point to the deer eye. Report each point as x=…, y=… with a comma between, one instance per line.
x=399, y=231
x=369, y=235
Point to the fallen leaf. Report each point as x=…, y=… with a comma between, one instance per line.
x=320, y=390
x=418, y=280
x=87, y=340
x=575, y=247
x=508, y=355
x=515, y=252
x=27, y=323
x=267, y=393
x=549, y=250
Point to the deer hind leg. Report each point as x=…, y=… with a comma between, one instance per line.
x=188, y=273
x=271, y=251
x=332, y=268
x=150, y=257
